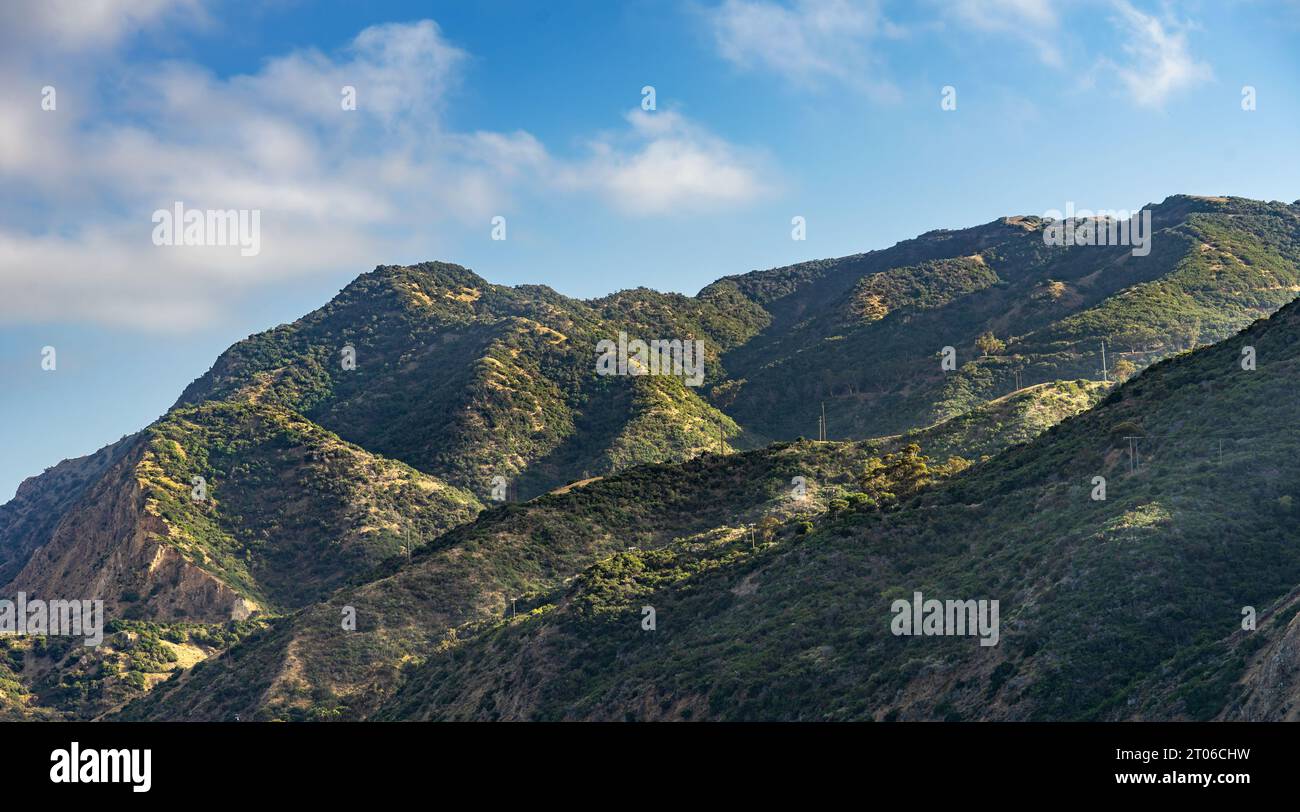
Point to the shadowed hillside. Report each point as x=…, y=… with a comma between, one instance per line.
x=1119, y=608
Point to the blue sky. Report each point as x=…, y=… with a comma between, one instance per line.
x=765, y=110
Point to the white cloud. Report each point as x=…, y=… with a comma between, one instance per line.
x=337, y=190
x=330, y=184
x=1160, y=63
x=812, y=41
x=665, y=165
x=401, y=71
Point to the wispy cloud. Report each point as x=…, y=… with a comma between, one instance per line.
x=807, y=43
x=1033, y=21
x=1160, y=61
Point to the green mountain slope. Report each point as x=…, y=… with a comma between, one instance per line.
x=288, y=513
x=312, y=667
x=1110, y=608
x=1015, y=418
x=864, y=333
x=468, y=381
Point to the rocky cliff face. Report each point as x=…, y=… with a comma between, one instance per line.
x=1270, y=685
x=28, y=520
x=113, y=548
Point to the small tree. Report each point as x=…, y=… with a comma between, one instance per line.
x=955, y=465
x=989, y=344
x=1124, y=369
x=897, y=476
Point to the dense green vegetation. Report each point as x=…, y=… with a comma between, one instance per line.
x=59, y=677
x=515, y=552
x=863, y=334
x=291, y=512
x=468, y=381
x=926, y=286
x=1109, y=608
x=1016, y=418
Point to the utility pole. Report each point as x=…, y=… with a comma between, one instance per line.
x=823, y=421
x=1133, y=454
x=1103, y=362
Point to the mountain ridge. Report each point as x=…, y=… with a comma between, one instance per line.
x=458, y=393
